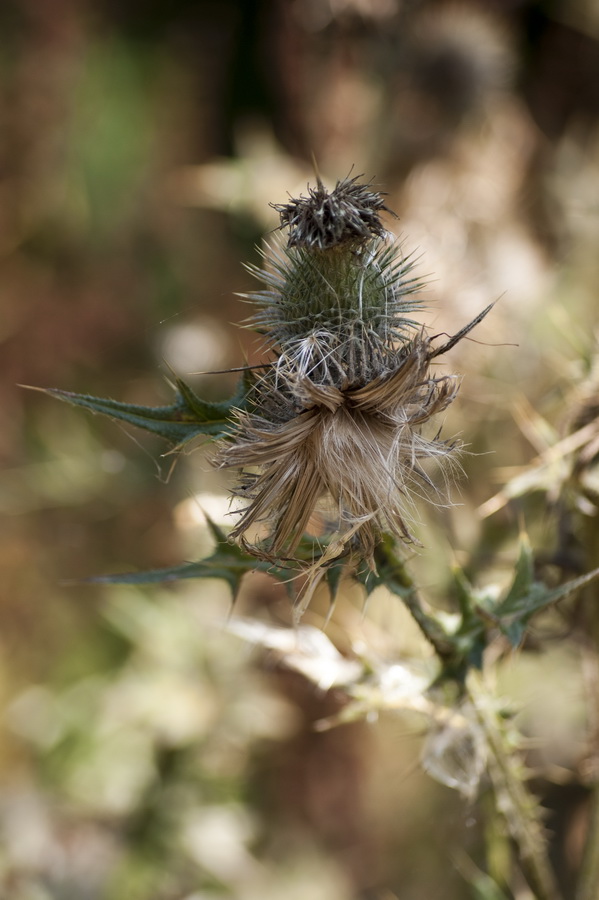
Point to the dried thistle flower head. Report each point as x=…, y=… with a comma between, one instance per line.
x=337, y=418
x=323, y=220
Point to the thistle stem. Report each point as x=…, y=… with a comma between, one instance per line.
x=588, y=883
x=519, y=808
x=429, y=626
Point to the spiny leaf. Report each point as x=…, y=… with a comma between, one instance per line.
x=523, y=577
x=515, y=615
x=226, y=562
x=526, y=597
x=468, y=600
x=186, y=418
x=215, y=530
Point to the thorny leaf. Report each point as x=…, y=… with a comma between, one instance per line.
x=523, y=582
x=515, y=611
x=470, y=636
x=459, y=642
x=512, y=612
x=461, y=646
x=186, y=418
x=227, y=562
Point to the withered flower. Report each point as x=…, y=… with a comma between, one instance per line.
x=336, y=421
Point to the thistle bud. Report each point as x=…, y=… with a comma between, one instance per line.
x=337, y=419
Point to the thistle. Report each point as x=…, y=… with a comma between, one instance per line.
x=336, y=420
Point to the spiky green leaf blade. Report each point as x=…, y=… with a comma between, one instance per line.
x=188, y=417
x=515, y=614
x=523, y=582
x=215, y=530
x=469, y=638
x=464, y=593
x=227, y=562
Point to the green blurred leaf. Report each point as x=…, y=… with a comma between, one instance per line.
x=227, y=562
x=484, y=888
x=523, y=582
x=464, y=595
x=186, y=418
x=515, y=611
x=462, y=648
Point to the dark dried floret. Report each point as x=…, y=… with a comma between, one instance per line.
x=325, y=219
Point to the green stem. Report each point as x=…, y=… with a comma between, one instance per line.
x=588, y=883
x=429, y=626
x=519, y=808
x=394, y=575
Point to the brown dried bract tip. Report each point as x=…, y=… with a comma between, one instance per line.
x=323, y=220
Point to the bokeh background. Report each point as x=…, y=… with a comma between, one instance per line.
x=146, y=753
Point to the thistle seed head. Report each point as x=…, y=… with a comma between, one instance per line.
x=337, y=420
x=358, y=450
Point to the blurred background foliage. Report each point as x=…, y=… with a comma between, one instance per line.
x=147, y=753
